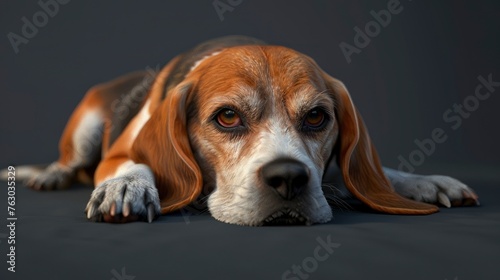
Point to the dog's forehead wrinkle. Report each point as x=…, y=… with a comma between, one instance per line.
x=288, y=67
x=243, y=61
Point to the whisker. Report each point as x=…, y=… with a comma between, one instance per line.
x=334, y=199
x=339, y=203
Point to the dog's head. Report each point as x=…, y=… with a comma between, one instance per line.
x=259, y=125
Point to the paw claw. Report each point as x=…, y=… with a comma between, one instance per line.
x=90, y=211
x=443, y=199
x=112, y=210
x=151, y=213
x=126, y=209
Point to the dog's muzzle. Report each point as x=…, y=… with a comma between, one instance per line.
x=288, y=178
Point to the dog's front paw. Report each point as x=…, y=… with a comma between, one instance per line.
x=436, y=189
x=124, y=199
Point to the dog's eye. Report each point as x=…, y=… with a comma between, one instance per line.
x=228, y=118
x=314, y=119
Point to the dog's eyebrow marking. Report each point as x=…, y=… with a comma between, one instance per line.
x=307, y=98
x=197, y=63
x=241, y=97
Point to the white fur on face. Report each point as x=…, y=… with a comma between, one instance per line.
x=240, y=196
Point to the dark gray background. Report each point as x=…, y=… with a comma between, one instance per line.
x=427, y=59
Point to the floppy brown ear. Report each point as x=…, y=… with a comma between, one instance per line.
x=359, y=162
x=163, y=145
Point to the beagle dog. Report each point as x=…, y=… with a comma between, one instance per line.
x=259, y=132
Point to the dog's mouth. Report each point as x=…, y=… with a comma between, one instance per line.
x=286, y=217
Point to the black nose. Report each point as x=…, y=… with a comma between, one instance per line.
x=287, y=176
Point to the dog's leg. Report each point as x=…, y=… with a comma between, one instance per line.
x=125, y=191
x=79, y=148
x=103, y=113
x=436, y=189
